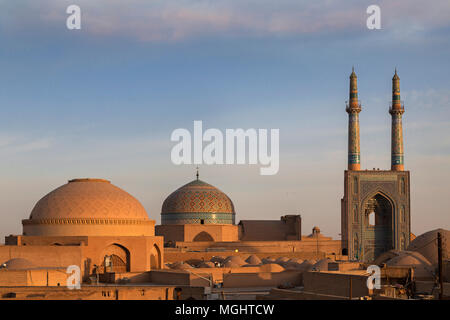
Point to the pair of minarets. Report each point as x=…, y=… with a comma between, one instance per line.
x=396, y=110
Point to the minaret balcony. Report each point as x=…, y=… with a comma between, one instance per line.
x=353, y=106
x=396, y=107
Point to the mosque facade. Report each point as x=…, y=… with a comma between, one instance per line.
x=375, y=209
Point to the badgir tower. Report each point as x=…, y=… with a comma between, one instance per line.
x=376, y=204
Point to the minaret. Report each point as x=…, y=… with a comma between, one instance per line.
x=353, y=109
x=396, y=110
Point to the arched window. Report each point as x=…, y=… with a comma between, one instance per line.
x=115, y=258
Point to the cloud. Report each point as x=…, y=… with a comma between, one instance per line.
x=10, y=144
x=161, y=20
x=428, y=99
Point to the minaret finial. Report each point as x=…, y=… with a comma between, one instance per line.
x=197, y=175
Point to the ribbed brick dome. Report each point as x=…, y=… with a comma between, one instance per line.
x=88, y=198
x=88, y=207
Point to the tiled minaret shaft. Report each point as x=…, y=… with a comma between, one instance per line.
x=396, y=110
x=353, y=109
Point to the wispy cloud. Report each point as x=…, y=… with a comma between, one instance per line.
x=161, y=20
x=428, y=99
x=10, y=144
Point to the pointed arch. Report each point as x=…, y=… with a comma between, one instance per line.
x=155, y=258
x=115, y=258
x=379, y=236
x=374, y=193
x=203, y=236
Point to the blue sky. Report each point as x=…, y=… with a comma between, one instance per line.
x=102, y=101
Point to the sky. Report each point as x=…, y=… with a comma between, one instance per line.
x=102, y=101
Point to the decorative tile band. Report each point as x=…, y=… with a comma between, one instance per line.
x=88, y=221
x=196, y=218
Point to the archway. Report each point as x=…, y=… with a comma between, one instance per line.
x=203, y=236
x=115, y=258
x=378, y=232
x=155, y=258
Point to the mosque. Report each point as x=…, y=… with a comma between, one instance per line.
x=376, y=204
x=103, y=229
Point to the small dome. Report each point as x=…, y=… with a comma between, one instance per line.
x=271, y=267
x=19, y=264
x=426, y=245
x=253, y=259
x=197, y=203
x=235, y=260
x=423, y=270
x=386, y=256
x=231, y=264
x=307, y=265
x=316, y=233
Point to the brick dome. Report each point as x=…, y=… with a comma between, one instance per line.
x=197, y=203
x=82, y=204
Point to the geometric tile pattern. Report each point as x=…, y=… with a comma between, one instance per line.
x=197, y=202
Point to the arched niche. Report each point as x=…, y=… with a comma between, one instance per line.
x=203, y=236
x=155, y=258
x=115, y=258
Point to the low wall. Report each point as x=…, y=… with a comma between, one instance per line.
x=288, y=294
x=102, y=293
x=262, y=279
x=335, y=284
x=44, y=256
x=170, y=277
x=33, y=277
x=125, y=277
